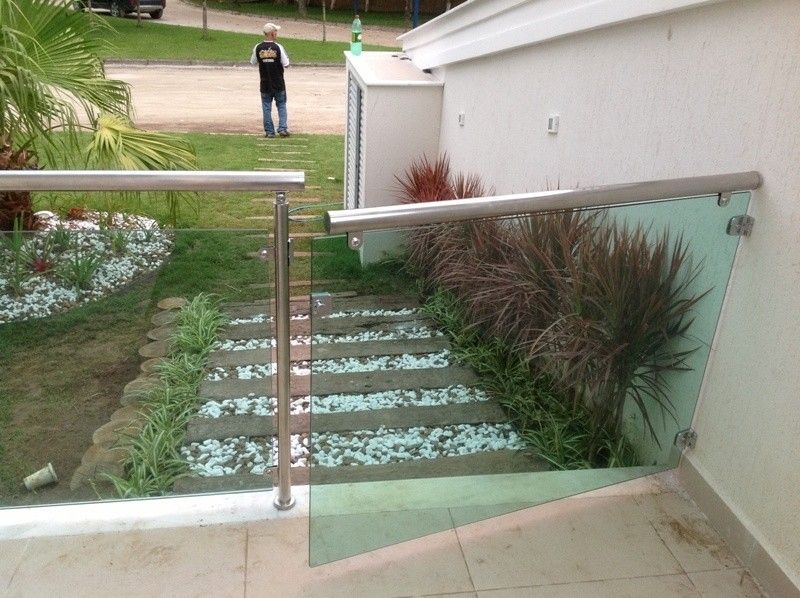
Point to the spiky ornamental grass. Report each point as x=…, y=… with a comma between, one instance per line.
x=557, y=433
x=154, y=462
x=595, y=306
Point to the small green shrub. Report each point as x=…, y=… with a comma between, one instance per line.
x=154, y=462
x=119, y=241
x=17, y=271
x=80, y=268
x=60, y=238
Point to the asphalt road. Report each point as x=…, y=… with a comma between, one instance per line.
x=227, y=100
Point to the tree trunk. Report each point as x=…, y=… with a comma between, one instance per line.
x=302, y=7
x=324, y=23
x=333, y=4
x=407, y=13
x=15, y=205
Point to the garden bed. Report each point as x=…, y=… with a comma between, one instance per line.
x=74, y=261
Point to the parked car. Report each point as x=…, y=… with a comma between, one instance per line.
x=120, y=8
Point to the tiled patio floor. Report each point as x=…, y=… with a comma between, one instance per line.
x=607, y=544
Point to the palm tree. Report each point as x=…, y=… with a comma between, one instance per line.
x=51, y=77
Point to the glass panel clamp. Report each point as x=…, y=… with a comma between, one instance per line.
x=266, y=253
x=355, y=240
x=740, y=226
x=321, y=304
x=685, y=439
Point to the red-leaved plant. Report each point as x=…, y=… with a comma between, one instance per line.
x=597, y=305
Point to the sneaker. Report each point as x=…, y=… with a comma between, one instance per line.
x=284, y=133
x=270, y=135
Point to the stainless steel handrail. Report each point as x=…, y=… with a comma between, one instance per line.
x=146, y=180
x=456, y=210
x=199, y=180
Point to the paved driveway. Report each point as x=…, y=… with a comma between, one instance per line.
x=226, y=99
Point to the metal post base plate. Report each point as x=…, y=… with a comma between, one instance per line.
x=283, y=506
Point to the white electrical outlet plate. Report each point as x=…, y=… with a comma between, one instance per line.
x=552, y=124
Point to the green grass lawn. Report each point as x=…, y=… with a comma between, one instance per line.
x=238, y=153
x=158, y=41
x=342, y=14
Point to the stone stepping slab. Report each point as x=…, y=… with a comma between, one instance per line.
x=331, y=351
x=349, y=326
x=297, y=283
x=434, y=416
x=375, y=302
x=299, y=304
x=486, y=463
x=292, y=235
x=342, y=325
x=257, y=255
x=292, y=218
x=293, y=199
x=352, y=382
x=227, y=483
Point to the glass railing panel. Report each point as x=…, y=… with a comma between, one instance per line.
x=135, y=361
x=464, y=371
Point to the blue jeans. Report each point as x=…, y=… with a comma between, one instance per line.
x=266, y=108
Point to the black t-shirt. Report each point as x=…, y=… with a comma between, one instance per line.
x=270, y=68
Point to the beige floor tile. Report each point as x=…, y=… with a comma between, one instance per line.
x=277, y=565
x=687, y=533
x=12, y=553
x=563, y=542
x=730, y=583
x=206, y=561
x=667, y=586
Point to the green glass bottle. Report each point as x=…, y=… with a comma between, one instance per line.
x=355, y=42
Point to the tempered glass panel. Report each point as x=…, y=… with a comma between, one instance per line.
x=108, y=378
x=465, y=371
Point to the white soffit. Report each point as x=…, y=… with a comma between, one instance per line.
x=479, y=28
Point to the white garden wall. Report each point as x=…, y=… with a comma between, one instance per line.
x=703, y=88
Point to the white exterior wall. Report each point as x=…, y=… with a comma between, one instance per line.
x=711, y=89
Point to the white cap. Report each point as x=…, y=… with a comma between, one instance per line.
x=270, y=27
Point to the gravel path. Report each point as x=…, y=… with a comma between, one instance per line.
x=186, y=14
x=447, y=430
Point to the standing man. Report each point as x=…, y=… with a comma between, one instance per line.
x=272, y=59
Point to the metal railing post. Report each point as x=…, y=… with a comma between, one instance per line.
x=283, y=497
